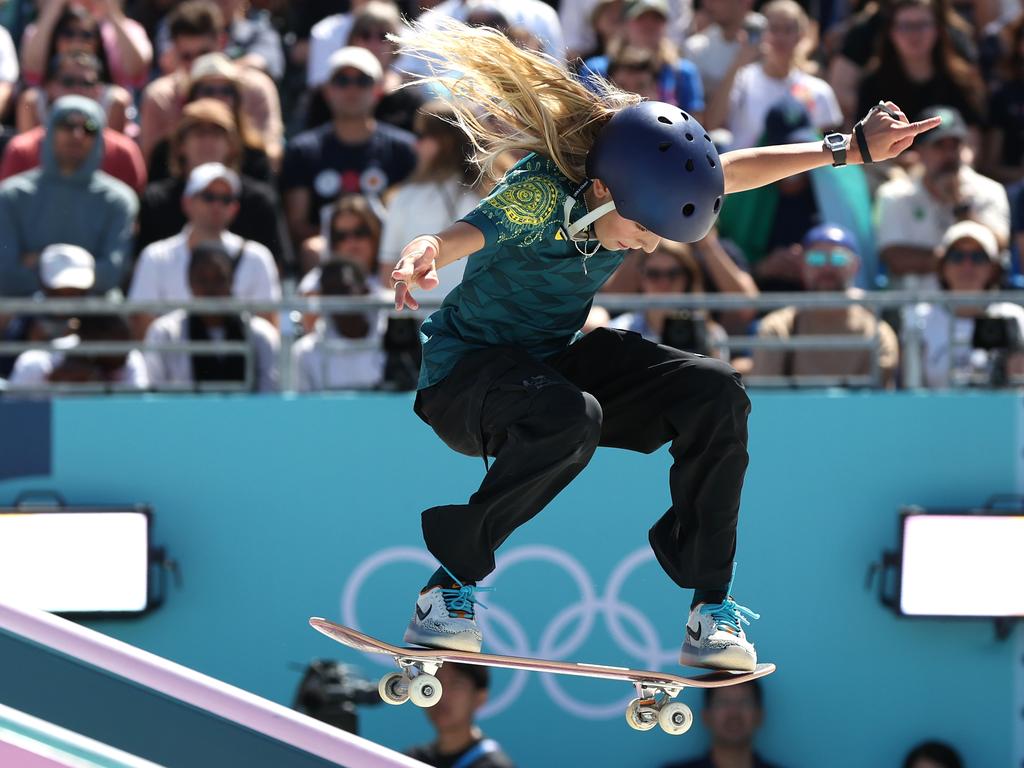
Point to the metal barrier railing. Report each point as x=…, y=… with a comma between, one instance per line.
x=290, y=310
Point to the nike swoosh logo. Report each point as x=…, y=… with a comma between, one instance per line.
x=421, y=614
x=695, y=636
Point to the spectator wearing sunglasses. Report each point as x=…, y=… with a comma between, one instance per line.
x=353, y=153
x=66, y=200
x=830, y=262
x=969, y=260
x=74, y=73
x=207, y=133
x=325, y=37
x=197, y=29
x=672, y=269
x=352, y=231
x=98, y=27
x=210, y=202
x=915, y=212
x=214, y=76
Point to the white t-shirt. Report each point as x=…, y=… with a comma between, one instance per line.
x=169, y=368
x=33, y=368
x=947, y=355
x=161, y=273
x=713, y=54
x=418, y=209
x=324, y=360
x=327, y=35
x=909, y=215
x=754, y=93
x=9, y=69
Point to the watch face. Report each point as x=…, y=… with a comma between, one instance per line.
x=835, y=140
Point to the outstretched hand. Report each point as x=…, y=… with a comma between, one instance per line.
x=888, y=136
x=416, y=267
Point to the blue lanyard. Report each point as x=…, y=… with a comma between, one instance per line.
x=484, y=747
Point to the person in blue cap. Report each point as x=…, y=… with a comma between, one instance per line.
x=505, y=371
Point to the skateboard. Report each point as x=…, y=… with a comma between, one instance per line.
x=655, y=691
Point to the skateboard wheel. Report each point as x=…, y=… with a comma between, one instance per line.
x=641, y=717
x=425, y=690
x=393, y=688
x=675, y=718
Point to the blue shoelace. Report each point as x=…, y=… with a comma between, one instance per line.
x=464, y=598
x=729, y=615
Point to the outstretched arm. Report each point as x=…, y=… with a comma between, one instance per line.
x=886, y=137
x=424, y=255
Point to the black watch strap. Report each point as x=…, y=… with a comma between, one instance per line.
x=862, y=143
x=838, y=153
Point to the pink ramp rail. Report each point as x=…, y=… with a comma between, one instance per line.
x=198, y=690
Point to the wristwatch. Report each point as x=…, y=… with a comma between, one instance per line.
x=837, y=144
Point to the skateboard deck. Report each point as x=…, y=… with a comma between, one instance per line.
x=652, y=706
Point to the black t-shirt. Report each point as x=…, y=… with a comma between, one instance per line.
x=259, y=216
x=316, y=160
x=1006, y=112
x=914, y=97
x=429, y=754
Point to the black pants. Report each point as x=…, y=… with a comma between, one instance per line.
x=542, y=422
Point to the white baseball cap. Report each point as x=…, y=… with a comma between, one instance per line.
x=204, y=175
x=66, y=266
x=980, y=234
x=357, y=58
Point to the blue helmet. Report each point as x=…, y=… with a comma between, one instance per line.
x=662, y=169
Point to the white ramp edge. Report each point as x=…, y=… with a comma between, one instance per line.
x=28, y=742
x=199, y=690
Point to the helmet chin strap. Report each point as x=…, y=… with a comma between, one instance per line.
x=579, y=230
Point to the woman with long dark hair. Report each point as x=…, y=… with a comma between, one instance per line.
x=918, y=67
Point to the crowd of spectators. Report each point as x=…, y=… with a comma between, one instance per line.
x=171, y=149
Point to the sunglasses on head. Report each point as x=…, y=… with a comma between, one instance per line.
x=88, y=127
x=363, y=80
x=669, y=273
x=818, y=258
x=213, y=197
x=341, y=235
x=77, y=82
x=957, y=256
x=215, y=91
x=77, y=34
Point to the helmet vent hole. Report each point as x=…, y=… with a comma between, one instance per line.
x=706, y=137
x=685, y=116
x=689, y=137
x=718, y=203
x=664, y=146
x=664, y=120
x=711, y=160
x=688, y=209
x=689, y=164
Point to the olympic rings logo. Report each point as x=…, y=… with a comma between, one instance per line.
x=513, y=640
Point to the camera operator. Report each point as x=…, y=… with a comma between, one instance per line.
x=672, y=269
x=331, y=692
x=970, y=344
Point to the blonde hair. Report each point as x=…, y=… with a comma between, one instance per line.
x=508, y=99
x=790, y=9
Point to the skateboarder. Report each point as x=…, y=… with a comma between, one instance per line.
x=505, y=373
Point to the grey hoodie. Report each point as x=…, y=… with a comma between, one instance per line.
x=88, y=208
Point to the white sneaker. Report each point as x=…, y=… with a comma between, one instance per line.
x=715, y=638
x=445, y=618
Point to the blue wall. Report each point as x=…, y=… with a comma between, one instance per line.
x=272, y=506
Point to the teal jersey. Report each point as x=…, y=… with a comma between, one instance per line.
x=528, y=286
